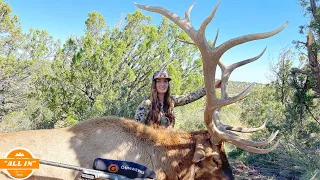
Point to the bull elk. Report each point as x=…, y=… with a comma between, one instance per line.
x=172, y=154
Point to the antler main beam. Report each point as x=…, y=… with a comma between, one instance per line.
x=182, y=23
x=211, y=58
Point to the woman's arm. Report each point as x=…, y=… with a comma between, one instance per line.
x=191, y=97
x=143, y=111
x=180, y=100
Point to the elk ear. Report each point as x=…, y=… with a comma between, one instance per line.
x=199, y=153
x=218, y=84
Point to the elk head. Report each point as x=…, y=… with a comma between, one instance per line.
x=211, y=55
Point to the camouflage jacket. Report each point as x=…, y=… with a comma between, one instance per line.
x=178, y=100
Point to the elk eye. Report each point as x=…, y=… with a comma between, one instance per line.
x=214, y=161
x=199, y=164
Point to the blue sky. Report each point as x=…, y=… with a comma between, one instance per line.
x=63, y=18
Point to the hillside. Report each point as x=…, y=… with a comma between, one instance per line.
x=236, y=87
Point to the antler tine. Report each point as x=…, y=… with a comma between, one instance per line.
x=215, y=39
x=244, y=130
x=187, y=13
x=225, y=102
x=228, y=128
x=237, y=140
x=258, y=150
x=244, y=62
x=224, y=135
x=246, y=38
x=208, y=20
x=227, y=70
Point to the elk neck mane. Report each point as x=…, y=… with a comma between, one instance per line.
x=159, y=136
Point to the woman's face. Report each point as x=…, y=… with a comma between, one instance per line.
x=162, y=85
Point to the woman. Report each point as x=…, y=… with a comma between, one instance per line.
x=158, y=110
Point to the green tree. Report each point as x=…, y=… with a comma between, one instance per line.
x=10, y=31
x=22, y=58
x=306, y=80
x=39, y=49
x=262, y=105
x=12, y=71
x=108, y=71
x=312, y=45
x=281, y=75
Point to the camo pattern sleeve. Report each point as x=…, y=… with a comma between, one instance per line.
x=180, y=100
x=143, y=111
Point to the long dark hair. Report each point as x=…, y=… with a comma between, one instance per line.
x=154, y=114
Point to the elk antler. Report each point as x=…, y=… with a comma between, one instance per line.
x=211, y=58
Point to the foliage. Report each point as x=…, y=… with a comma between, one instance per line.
x=10, y=69
x=303, y=101
x=312, y=30
x=108, y=71
x=261, y=106
x=284, y=103
x=22, y=56
x=282, y=74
